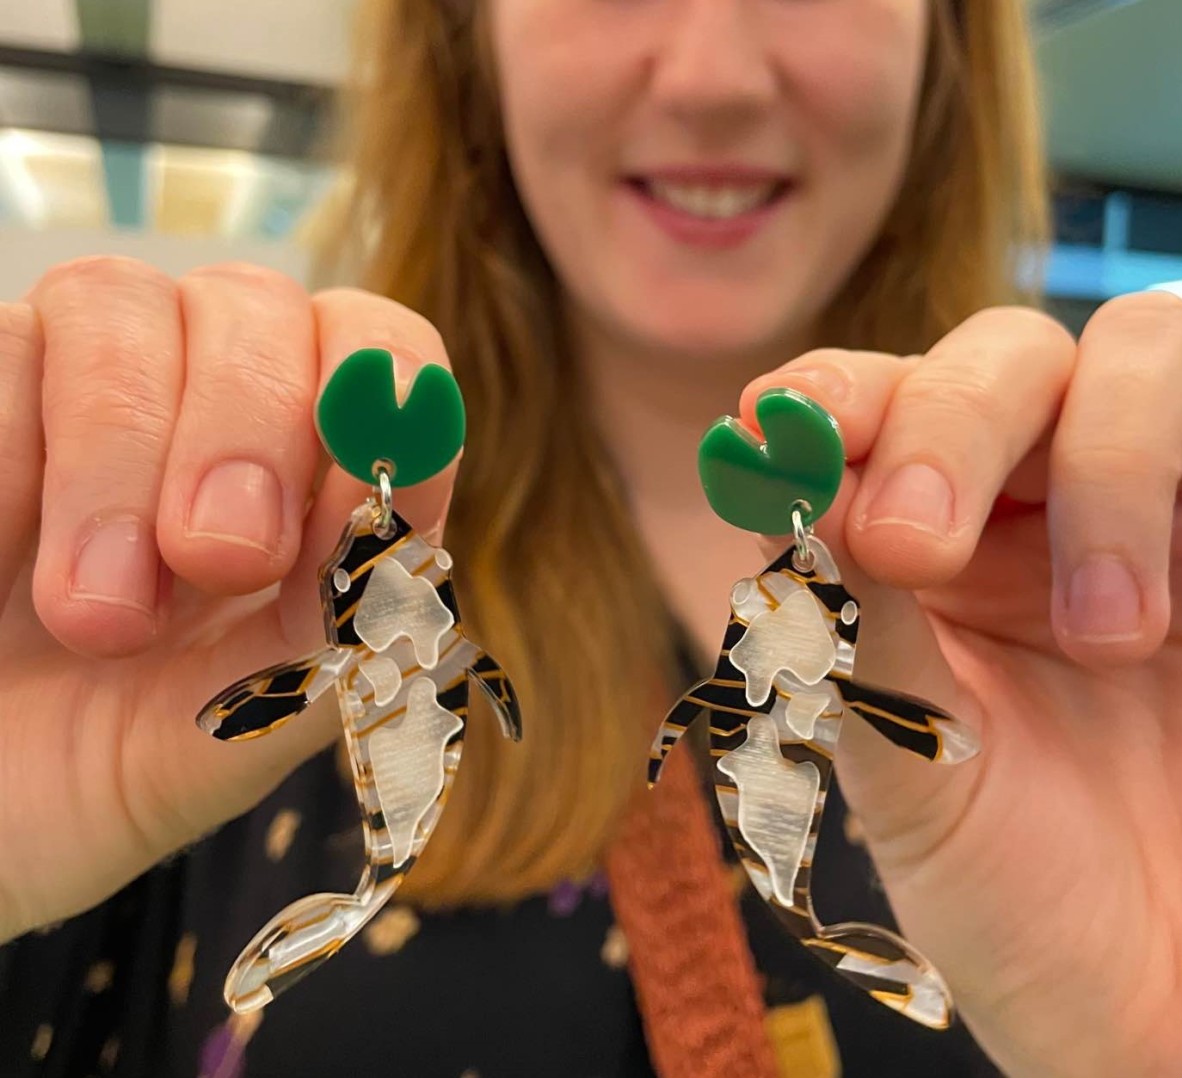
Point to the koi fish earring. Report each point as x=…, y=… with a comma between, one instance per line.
x=783, y=683
x=396, y=654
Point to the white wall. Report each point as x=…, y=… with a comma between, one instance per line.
x=301, y=40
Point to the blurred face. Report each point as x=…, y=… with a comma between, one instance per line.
x=705, y=174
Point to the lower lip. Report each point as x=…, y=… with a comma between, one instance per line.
x=706, y=232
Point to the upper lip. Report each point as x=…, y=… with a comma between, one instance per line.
x=717, y=174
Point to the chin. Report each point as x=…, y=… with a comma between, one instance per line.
x=723, y=326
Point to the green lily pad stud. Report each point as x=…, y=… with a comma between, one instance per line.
x=756, y=486
x=362, y=423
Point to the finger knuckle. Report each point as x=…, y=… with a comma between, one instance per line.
x=248, y=277
x=104, y=453
x=819, y=356
x=1040, y=329
x=256, y=380
x=87, y=280
x=344, y=294
x=1139, y=314
x=406, y=326
x=120, y=406
x=420, y=330
x=969, y=393
x=1105, y=463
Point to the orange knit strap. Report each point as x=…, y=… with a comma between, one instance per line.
x=695, y=980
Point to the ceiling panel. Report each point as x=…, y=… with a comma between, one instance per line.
x=182, y=114
x=39, y=24
x=45, y=99
x=290, y=40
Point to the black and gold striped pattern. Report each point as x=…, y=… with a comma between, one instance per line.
x=310, y=931
x=875, y=959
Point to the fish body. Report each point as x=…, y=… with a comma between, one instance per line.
x=783, y=683
x=400, y=664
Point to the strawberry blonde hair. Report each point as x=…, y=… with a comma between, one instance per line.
x=552, y=576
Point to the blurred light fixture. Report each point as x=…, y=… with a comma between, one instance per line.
x=199, y=191
x=51, y=180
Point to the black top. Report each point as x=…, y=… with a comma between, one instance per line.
x=133, y=988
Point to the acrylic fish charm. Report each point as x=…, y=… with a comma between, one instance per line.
x=782, y=685
x=401, y=667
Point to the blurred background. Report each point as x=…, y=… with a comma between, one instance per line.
x=178, y=131
x=182, y=131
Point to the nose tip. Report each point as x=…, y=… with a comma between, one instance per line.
x=713, y=60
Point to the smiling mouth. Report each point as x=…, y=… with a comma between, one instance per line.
x=716, y=201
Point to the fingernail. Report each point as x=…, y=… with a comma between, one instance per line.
x=833, y=383
x=117, y=564
x=916, y=495
x=1104, y=601
x=238, y=502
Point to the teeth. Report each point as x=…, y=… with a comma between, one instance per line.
x=716, y=203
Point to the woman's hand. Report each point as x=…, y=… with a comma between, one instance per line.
x=1044, y=878
x=159, y=474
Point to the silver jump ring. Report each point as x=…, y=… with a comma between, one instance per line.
x=803, y=557
x=384, y=511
